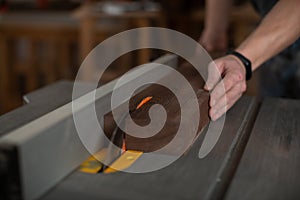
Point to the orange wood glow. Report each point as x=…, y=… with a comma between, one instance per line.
x=145, y=100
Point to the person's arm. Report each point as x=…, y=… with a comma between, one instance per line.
x=214, y=36
x=279, y=29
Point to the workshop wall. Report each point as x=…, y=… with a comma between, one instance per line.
x=42, y=41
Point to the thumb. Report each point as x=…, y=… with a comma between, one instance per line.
x=215, y=69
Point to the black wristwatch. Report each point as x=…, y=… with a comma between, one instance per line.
x=245, y=61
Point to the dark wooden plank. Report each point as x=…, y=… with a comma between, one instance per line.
x=270, y=166
x=188, y=178
x=163, y=96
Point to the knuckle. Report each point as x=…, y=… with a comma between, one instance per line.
x=240, y=76
x=243, y=87
x=237, y=76
x=229, y=83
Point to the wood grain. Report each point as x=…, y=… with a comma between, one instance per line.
x=163, y=96
x=270, y=167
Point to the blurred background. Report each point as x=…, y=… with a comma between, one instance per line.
x=42, y=41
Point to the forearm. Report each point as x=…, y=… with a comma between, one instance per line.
x=279, y=29
x=217, y=14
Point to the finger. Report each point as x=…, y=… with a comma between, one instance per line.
x=214, y=75
x=223, y=110
x=227, y=97
x=225, y=103
x=229, y=81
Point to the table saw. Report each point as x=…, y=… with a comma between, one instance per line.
x=256, y=157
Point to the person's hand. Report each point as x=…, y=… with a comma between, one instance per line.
x=226, y=82
x=214, y=41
